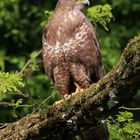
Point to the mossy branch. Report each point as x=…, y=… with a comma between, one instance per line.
x=90, y=105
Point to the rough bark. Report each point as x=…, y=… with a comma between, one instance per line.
x=91, y=105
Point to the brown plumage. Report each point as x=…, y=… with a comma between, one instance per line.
x=71, y=52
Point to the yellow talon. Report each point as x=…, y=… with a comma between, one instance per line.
x=78, y=89
x=66, y=96
x=59, y=102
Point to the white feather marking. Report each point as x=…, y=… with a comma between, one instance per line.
x=65, y=18
x=82, y=34
x=48, y=33
x=72, y=14
x=75, y=12
x=59, y=32
x=71, y=45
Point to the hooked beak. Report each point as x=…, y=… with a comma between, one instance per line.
x=85, y=2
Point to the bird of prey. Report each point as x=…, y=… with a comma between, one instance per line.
x=71, y=52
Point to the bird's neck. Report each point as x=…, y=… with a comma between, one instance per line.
x=69, y=5
x=63, y=9
x=66, y=7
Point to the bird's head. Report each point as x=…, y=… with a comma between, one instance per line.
x=82, y=2
x=79, y=4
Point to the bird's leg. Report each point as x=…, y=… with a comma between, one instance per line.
x=64, y=97
x=62, y=79
x=59, y=102
x=78, y=89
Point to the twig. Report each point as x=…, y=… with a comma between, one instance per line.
x=23, y=69
x=43, y=102
x=21, y=95
x=28, y=62
x=2, y=125
x=12, y=104
x=131, y=109
x=29, y=94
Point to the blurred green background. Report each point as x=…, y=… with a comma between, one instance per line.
x=21, y=25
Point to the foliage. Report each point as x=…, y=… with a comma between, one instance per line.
x=48, y=15
x=10, y=82
x=124, y=127
x=15, y=106
x=100, y=14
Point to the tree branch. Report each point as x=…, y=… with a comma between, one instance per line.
x=91, y=105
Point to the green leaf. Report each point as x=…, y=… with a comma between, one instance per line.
x=101, y=14
x=10, y=82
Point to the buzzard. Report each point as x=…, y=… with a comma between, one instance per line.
x=71, y=52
